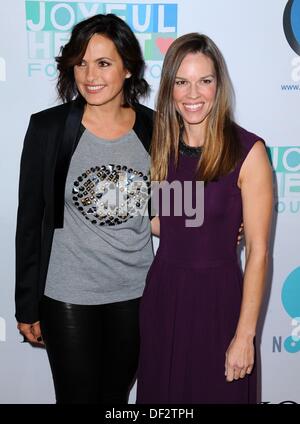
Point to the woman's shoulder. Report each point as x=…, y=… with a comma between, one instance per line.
x=247, y=138
x=52, y=114
x=142, y=108
x=249, y=142
x=143, y=126
x=144, y=112
x=53, y=119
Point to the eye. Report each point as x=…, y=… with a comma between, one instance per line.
x=81, y=63
x=207, y=81
x=103, y=63
x=180, y=83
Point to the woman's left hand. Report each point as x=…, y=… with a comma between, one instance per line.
x=239, y=358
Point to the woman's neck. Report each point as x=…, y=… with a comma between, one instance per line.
x=108, y=122
x=194, y=135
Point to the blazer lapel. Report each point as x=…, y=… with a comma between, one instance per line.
x=65, y=152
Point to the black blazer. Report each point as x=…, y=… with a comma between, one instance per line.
x=49, y=144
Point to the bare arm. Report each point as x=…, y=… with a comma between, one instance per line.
x=257, y=196
x=155, y=226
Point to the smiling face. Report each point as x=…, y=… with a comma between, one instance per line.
x=101, y=74
x=195, y=89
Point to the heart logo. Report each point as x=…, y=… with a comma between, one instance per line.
x=164, y=43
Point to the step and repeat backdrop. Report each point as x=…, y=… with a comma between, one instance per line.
x=260, y=40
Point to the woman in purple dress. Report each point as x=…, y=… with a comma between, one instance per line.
x=199, y=312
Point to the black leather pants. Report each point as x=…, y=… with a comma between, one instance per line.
x=93, y=350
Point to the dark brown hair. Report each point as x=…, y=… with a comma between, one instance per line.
x=221, y=149
x=127, y=45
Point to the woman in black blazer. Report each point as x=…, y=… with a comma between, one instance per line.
x=80, y=262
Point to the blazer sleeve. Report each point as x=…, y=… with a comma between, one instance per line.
x=29, y=224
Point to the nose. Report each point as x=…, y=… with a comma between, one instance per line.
x=194, y=91
x=90, y=73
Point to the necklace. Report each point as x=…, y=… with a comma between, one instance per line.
x=187, y=150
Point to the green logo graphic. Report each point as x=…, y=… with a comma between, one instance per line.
x=286, y=165
x=49, y=24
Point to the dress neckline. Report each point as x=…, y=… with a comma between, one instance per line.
x=187, y=150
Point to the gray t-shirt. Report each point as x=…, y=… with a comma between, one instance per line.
x=104, y=250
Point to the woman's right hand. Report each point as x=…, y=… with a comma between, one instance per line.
x=241, y=234
x=155, y=227
x=32, y=332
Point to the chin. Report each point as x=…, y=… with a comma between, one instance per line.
x=193, y=121
x=95, y=102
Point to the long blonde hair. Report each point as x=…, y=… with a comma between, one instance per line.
x=221, y=149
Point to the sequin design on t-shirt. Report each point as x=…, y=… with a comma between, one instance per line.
x=111, y=194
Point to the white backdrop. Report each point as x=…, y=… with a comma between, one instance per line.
x=264, y=64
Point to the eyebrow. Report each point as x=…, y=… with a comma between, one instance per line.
x=207, y=76
x=104, y=58
x=100, y=58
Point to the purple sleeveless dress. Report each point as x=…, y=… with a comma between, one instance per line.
x=191, y=303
